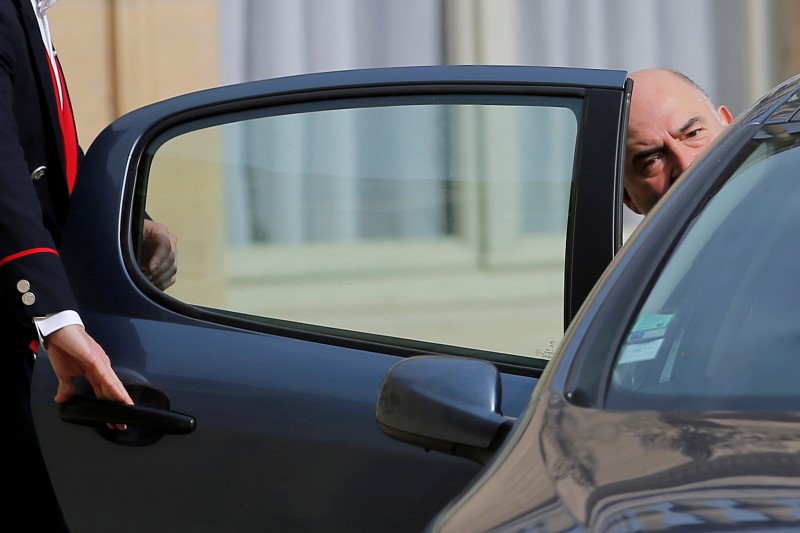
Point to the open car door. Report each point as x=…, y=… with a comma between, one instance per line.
x=329, y=225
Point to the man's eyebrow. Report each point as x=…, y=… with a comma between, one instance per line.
x=689, y=124
x=645, y=154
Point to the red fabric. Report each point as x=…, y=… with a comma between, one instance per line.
x=23, y=253
x=34, y=345
x=68, y=132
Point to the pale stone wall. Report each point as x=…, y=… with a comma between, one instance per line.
x=790, y=38
x=123, y=54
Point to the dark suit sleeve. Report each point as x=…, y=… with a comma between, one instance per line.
x=32, y=279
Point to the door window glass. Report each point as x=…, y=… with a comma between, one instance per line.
x=439, y=219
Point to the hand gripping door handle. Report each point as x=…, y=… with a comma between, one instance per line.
x=88, y=411
x=148, y=419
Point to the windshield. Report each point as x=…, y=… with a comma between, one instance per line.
x=721, y=327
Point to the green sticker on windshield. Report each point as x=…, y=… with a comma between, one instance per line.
x=645, y=338
x=652, y=320
x=649, y=326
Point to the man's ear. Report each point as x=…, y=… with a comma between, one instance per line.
x=724, y=114
x=628, y=201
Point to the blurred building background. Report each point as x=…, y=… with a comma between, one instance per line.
x=122, y=54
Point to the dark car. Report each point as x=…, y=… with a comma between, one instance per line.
x=329, y=226
x=673, y=401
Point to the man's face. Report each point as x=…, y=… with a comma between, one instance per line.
x=670, y=125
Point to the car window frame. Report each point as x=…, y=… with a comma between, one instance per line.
x=590, y=244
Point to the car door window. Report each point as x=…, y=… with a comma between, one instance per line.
x=440, y=219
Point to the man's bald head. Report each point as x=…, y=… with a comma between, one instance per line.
x=671, y=122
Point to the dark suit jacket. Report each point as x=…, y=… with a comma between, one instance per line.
x=32, y=209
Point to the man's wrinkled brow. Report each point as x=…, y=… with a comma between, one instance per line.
x=645, y=154
x=687, y=126
x=690, y=124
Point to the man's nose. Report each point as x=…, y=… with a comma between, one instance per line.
x=682, y=158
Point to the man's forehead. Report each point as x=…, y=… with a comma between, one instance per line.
x=667, y=98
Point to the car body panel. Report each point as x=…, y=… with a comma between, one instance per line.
x=583, y=469
x=285, y=435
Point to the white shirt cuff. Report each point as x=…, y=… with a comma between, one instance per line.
x=48, y=324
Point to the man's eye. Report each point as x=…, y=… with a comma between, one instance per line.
x=648, y=163
x=694, y=133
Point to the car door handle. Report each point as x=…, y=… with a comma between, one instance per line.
x=148, y=419
x=89, y=411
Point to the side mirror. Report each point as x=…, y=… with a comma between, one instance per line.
x=447, y=404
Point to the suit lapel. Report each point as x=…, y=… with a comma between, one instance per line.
x=42, y=70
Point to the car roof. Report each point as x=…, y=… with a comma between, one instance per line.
x=780, y=105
